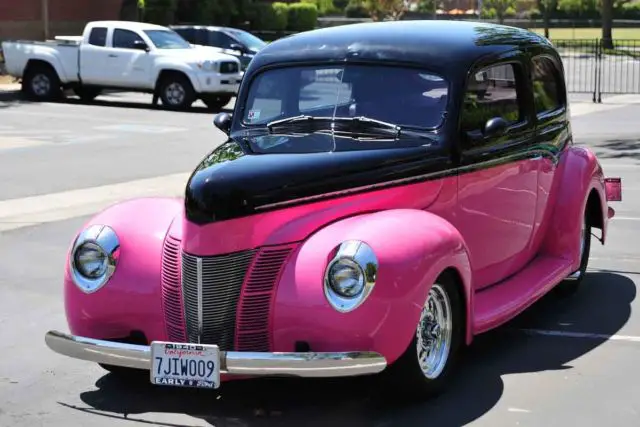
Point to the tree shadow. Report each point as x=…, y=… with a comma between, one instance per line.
x=618, y=149
x=476, y=389
x=16, y=98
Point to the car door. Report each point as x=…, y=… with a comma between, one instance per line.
x=93, y=57
x=498, y=174
x=552, y=131
x=128, y=65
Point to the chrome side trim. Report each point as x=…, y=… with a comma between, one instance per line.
x=338, y=364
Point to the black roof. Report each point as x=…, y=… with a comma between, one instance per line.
x=437, y=44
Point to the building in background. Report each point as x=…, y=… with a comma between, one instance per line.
x=27, y=19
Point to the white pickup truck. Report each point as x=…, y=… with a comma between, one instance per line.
x=122, y=55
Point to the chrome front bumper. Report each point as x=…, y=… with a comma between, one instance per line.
x=233, y=363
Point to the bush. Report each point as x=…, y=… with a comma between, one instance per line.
x=356, y=10
x=341, y=5
x=302, y=16
x=324, y=6
x=270, y=16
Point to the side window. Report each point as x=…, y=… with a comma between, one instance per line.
x=98, y=36
x=125, y=39
x=491, y=92
x=546, y=85
x=220, y=39
x=189, y=34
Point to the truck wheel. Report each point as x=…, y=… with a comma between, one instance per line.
x=571, y=285
x=216, y=103
x=87, y=94
x=177, y=92
x=425, y=367
x=41, y=83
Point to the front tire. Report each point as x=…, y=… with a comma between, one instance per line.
x=176, y=92
x=216, y=103
x=426, y=366
x=571, y=285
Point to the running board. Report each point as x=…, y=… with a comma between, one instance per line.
x=500, y=303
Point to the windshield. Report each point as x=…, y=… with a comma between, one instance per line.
x=248, y=39
x=406, y=97
x=163, y=39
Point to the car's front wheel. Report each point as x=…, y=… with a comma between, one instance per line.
x=571, y=285
x=216, y=103
x=177, y=92
x=425, y=367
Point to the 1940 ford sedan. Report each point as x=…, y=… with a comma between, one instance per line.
x=387, y=192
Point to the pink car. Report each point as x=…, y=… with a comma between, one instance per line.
x=368, y=212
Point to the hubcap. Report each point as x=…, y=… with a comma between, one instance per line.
x=434, y=333
x=175, y=93
x=41, y=84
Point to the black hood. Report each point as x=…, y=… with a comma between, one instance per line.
x=232, y=181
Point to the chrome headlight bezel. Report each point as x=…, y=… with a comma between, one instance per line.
x=104, y=239
x=352, y=253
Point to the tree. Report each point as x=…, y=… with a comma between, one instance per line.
x=383, y=9
x=500, y=6
x=547, y=7
x=607, y=24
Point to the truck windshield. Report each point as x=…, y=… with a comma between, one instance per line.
x=407, y=97
x=248, y=39
x=163, y=39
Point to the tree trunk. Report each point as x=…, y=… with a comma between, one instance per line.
x=607, y=24
x=545, y=20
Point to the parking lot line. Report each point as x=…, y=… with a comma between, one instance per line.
x=28, y=211
x=586, y=335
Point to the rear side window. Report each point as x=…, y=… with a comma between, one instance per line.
x=546, y=85
x=98, y=36
x=491, y=92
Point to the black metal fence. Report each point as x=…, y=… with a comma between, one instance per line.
x=592, y=67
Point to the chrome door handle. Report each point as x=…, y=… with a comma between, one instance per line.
x=112, y=55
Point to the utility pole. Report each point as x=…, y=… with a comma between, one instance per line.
x=45, y=18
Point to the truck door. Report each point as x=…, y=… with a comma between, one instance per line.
x=127, y=63
x=93, y=55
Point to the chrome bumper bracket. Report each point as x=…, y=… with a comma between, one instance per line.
x=330, y=364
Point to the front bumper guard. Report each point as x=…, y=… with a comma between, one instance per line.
x=309, y=365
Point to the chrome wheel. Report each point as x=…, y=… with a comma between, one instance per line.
x=434, y=333
x=41, y=85
x=175, y=93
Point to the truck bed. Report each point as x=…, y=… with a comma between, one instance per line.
x=61, y=54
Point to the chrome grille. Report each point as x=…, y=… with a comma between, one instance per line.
x=211, y=287
x=254, y=312
x=171, y=295
x=228, y=67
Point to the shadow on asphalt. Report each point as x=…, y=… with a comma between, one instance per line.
x=618, y=149
x=602, y=306
x=16, y=99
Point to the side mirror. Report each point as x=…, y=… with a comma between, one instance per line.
x=223, y=122
x=496, y=126
x=140, y=45
x=236, y=46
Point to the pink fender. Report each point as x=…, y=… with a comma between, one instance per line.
x=131, y=300
x=579, y=167
x=413, y=248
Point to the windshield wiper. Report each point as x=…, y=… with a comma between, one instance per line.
x=366, y=123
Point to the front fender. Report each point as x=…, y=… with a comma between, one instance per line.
x=131, y=300
x=413, y=248
x=579, y=178
x=166, y=64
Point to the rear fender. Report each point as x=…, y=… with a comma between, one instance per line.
x=131, y=299
x=413, y=248
x=581, y=188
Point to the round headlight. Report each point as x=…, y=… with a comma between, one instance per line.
x=350, y=276
x=94, y=257
x=346, y=278
x=91, y=260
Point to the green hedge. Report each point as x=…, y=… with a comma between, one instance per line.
x=302, y=16
x=270, y=16
x=324, y=6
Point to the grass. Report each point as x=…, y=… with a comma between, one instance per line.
x=589, y=33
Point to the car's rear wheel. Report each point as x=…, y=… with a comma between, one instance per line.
x=427, y=364
x=177, y=92
x=216, y=103
x=571, y=285
x=41, y=83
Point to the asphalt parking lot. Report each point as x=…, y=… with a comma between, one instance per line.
x=563, y=362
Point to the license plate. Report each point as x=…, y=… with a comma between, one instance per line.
x=185, y=365
x=613, y=187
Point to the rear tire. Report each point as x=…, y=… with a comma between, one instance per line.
x=176, y=92
x=570, y=286
x=437, y=343
x=41, y=83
